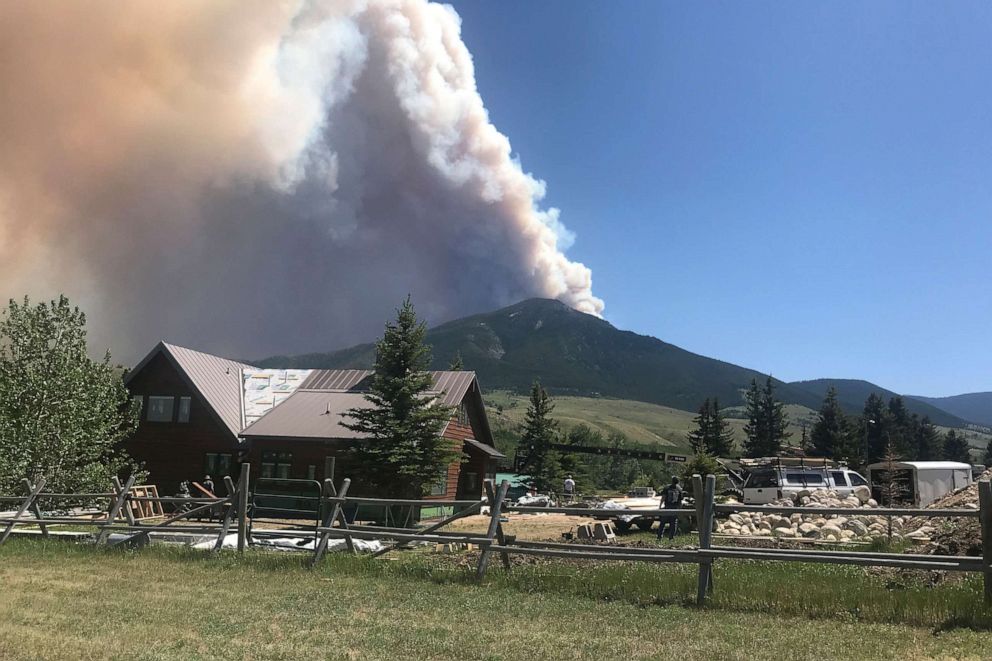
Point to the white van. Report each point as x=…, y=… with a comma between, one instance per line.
x=770, y=483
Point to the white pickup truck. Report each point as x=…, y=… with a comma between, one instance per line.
x=767, y=484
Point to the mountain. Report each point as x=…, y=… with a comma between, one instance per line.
x=975, y=406
x=572, y=354
x=852, y=393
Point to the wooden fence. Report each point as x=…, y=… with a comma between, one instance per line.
x=118, y=508
x=334, y=525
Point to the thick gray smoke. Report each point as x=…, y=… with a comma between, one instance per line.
x=254, y=176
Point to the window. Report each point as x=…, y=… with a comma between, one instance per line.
x=217, y=465
x=184, y=403
x=804, y=478
x=160, y=408
x=471, y=482
x=762, y=480
x=277, y=464
x=462, y=414
x=857, y=480
x=441, y=487
x=839, y=479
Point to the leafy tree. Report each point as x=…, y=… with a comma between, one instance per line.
x=830, y=433
x=956, y=448
x=405, y=455
x=765, y=429
x=701, y=464
x=540, y=431
x=928, y=441
x=62, y=414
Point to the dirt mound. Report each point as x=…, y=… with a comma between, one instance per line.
x=958, y=536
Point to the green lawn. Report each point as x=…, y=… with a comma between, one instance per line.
x=67, y=601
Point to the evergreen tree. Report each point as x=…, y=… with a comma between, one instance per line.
x=830, y=431
x=699, y=435
x=766, y=421
x=928, y=441
x=404, y=455
x=891, y=489
x=987, y=459
x=540, y=431
x=456, y=362
x=899, y=427
x=721, y=442
x=956, y=447
x=62, y=414
x=872, y=440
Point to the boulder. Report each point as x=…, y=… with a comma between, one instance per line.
x=847, y=534
x=862, y=493
x=784, y=532
x=857, y=527
x=807, y=527
x=737, y=518
x=796, y=518
x=830, y=530
x=872, y=502
x=851, y=501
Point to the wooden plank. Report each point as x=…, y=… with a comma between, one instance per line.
x=228, y=513
x=962, y=564
x=25, y=504
x=35, y=509
x=115, y=507
x=409, y=537
x=321, y=547
x=660, y=556
x=495, y=511
x=846, y=511
x=594, y=512
x=435, y=527
x=242, y=501
x=705, y=525
x=985, y=508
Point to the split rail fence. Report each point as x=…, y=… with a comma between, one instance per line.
x=120, y=518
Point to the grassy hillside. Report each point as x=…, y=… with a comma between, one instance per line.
x=638, y=421
x=572, y=354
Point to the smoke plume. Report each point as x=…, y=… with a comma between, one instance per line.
x=259, y=176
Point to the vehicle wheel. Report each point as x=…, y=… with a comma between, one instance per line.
x=621, y=526
x=645, y=524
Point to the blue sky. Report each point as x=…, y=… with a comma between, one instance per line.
x=801, y=188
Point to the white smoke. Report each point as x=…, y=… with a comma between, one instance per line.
x=256, y=176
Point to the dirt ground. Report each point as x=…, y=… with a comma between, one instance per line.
x=535, y=527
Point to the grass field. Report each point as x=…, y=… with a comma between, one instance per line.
x=67, y=601
x=638, y=421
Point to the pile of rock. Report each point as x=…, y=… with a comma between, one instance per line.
x=829, y=527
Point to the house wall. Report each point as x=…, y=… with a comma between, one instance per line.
x=171, y=451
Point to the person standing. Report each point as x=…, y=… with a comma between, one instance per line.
x=671, y=499
x=569, y=489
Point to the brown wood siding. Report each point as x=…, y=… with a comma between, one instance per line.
x=172, y=452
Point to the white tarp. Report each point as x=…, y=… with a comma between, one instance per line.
x=265, y=389
x=294, y=544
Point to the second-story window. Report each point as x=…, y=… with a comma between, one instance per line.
x=184, y=404
x=160, y=408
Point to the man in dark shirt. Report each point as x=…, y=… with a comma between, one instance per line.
x=671, y=499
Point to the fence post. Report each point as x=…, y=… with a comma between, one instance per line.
x=232, y=496
x=705, y=534
x=985, y=514
x=321, y=547
x=35, y=509
x=128, y=512
x=495, y=509
x=243, y=506
x=32, y=494
x=115, y=507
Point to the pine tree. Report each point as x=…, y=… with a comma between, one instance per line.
x=456, y=362
x=766, y=421
x=830, y=431
x=404, y=455
x=928, y=441
x=987, y=459
x=956, y=447
x=540, y=431
x=721, y=443
x=890, y=488
x=62, y=414
x=872, y=439
x=698, y=437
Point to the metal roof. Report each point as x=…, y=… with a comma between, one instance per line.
x=217, y=380
x=924, y=465
x=309, y=414
x=454, y=385
x=491, y=451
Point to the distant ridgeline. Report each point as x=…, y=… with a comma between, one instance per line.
x=577, y=354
